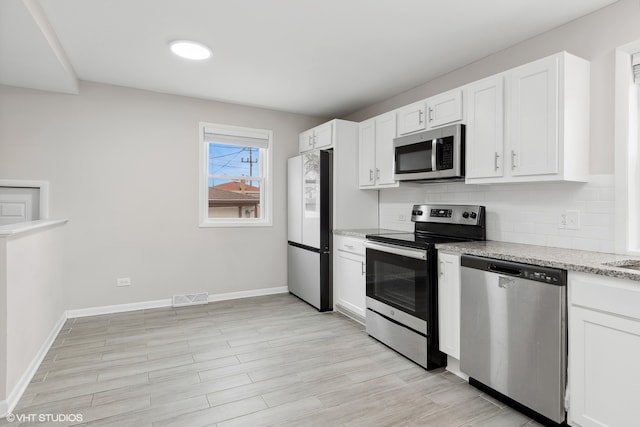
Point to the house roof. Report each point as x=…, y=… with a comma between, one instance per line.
x=218, y=197
x=237, y=187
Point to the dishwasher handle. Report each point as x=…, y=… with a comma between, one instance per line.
x=501, y=269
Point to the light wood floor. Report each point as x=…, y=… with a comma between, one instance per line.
x=258, y=361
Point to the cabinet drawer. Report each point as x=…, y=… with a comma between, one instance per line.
x=607, y=294
x=349, y=244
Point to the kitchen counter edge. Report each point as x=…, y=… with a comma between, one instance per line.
x=362, y=232
x=566, y=259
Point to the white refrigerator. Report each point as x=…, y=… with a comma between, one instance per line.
x=309, y=271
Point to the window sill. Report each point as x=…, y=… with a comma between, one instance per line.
x=232, y=223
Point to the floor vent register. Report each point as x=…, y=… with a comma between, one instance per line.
x=190, y=299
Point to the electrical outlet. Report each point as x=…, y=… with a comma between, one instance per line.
x=562, y=223
x=402, y=217
x=123, y=281
x=569, y=220
x=573, y=220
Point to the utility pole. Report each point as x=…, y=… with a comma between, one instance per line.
x=251, y=161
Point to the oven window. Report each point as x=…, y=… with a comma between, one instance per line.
x=398, y=281
x=414, y=158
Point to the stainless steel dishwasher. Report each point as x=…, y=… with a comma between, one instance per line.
x=513, y=334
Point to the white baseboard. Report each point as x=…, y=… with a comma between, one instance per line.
x=6, y=406
x=118, y=308
x=145, y=305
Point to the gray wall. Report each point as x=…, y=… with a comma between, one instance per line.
x=123, y=168
x=593, y=37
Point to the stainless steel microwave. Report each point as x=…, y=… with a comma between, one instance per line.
x=433, y=155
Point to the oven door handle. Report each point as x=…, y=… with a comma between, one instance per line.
x=396, y=250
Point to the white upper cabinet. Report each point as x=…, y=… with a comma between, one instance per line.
x=533, y=122
x=367, y=153
x=484, y=130
x=412, y=118
x=376, y=158
x=318, y=137
x=439, y=110
x=444, y=109
x=545, y=123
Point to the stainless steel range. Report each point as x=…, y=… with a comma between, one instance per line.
x=402, y=300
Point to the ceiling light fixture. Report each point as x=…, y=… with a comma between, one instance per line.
x=190, y=50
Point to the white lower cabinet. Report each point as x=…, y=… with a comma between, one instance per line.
x=604, y=351
x=449, y=303
x=349, y=280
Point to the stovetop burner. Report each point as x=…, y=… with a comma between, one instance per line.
x=439, y=224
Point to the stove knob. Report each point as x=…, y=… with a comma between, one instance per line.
x=474, y=215
x=465, y=215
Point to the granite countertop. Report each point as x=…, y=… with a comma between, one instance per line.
x=566, y=259
x=362, y=232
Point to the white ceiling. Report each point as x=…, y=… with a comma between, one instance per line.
x=319, y=57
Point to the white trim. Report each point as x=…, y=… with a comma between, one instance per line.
x=266, y=199
x=20, y=228
x=145, y=305
x=44, y=192
x=624, y=129
x=6, y=406
x=118, y=308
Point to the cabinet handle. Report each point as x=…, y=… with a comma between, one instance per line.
x=349, y=246
x=513, y=159
x=364, y=268
x=315, y=139
x=430, y=114
x=495, y=161
x=378, y=174
x=441, y=268
x=310, y=141
x=420, y=114
x=370, y=175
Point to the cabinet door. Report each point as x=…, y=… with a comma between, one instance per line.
x=305, y=142
x=411, y=118
x=449, y=303
x=603, y=369
x=350, y=282
x=323, y=135
x=444, y=109
x=367, y=153
x=533, y=118
x=385, y=132
x=484, y=131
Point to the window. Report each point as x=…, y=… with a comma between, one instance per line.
x=627, y=149
x=235, y=178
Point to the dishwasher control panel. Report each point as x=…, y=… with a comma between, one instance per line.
x=542, y=276
x=537, y=273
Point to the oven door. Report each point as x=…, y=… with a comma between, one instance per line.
x=400, y=278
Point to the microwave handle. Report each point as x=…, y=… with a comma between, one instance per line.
x=434, y=147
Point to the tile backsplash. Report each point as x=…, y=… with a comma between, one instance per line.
x=520, y=213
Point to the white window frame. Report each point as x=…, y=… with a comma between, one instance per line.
x=266, y=185
x=627, y=155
